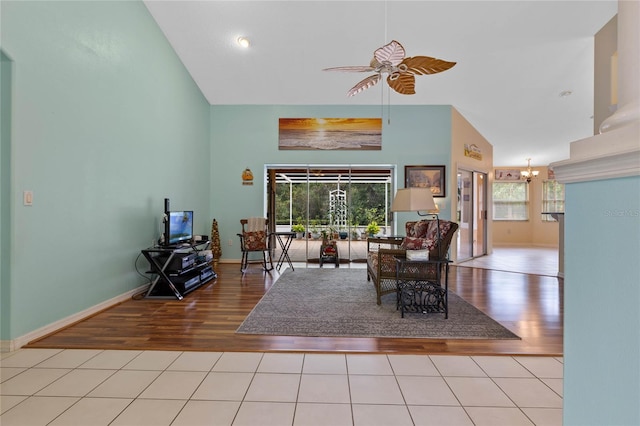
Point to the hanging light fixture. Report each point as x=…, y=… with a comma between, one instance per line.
x=529, y=173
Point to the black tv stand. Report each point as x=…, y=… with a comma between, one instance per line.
x=178, y=270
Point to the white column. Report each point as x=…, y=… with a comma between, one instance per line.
x=615, y=152
x=628, y=67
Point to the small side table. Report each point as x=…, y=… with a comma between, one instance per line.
x=284, y=240
x=420, y=286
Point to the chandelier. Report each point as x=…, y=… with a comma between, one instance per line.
x=529, y=173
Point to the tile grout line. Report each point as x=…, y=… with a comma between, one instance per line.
x=255, y=371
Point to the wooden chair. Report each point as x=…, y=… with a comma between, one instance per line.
x=255, y=239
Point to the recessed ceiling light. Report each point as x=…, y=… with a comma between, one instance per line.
x=243, y=42
x=565, y=93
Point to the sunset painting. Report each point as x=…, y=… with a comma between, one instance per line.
x=330, y=133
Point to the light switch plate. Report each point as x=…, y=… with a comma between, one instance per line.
x=27, y=198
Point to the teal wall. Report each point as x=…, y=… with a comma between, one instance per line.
x=247, y=136
x=602, y=303
x=5, y=189
x=106, y=123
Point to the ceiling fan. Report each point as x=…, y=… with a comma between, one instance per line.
x=390, y=59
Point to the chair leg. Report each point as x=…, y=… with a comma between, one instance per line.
x=243, y=264
x=264, y=259
x=267, y=264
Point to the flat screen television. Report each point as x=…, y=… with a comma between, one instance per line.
x=178, y=228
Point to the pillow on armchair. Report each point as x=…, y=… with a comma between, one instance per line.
x=413, y=243
x=417, y=229
x=427, y=229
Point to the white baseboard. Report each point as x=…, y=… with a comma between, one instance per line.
x=5, y=346
x=18, y=342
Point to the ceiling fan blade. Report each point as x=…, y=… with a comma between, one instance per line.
x=403, y=83
x=350, y=69
x=370, y=81
x=392, y=52
x=420, y=65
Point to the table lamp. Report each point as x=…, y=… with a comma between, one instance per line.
x=417, y=200
x=414, y=200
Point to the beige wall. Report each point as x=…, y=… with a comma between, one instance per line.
x=463, y=133
x=605, y=45
x=534, y=231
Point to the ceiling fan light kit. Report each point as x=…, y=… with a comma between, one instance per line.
x=401, y=71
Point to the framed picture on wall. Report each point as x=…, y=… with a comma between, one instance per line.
x=330, y=133
x=433, y=177
x=507, y=174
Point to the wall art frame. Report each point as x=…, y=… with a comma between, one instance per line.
x=330, y=134
x=507, y=174
x=432, y=177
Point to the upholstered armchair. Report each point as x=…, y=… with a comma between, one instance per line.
x=420, y=235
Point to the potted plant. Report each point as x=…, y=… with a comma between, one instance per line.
x=343, y=233
x=315, y=232
x=333, y=233
x=298, y=228
x=325, y=236
x=373, y=228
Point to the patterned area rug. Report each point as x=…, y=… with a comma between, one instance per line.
x=342, y=303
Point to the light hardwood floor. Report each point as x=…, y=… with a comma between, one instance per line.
x=530, y=305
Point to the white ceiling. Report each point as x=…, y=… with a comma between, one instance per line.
x=514, y=58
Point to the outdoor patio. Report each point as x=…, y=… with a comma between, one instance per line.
x=355, y=250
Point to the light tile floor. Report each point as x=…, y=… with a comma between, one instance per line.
x=522, y=259
x=135, y=388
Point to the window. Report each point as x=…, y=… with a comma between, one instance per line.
x=552, y=199
x=510, y=201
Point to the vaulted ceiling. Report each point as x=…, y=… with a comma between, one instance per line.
x=515, y=59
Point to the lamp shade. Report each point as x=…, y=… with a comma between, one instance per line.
x=413, y=200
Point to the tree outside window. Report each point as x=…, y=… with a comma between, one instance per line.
x=510, y=201
x=552, y=199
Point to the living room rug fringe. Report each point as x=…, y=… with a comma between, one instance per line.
x=342, y=303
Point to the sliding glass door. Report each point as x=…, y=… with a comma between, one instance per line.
x=333, y=201
x=472, y=214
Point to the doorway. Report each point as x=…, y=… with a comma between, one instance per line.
x=472, y=214
x=333, y=201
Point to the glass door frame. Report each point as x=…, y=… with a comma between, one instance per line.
x=351, y=172
x=472, y=208
x=480, y=188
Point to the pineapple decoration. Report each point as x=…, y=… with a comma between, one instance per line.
x=216, y=248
